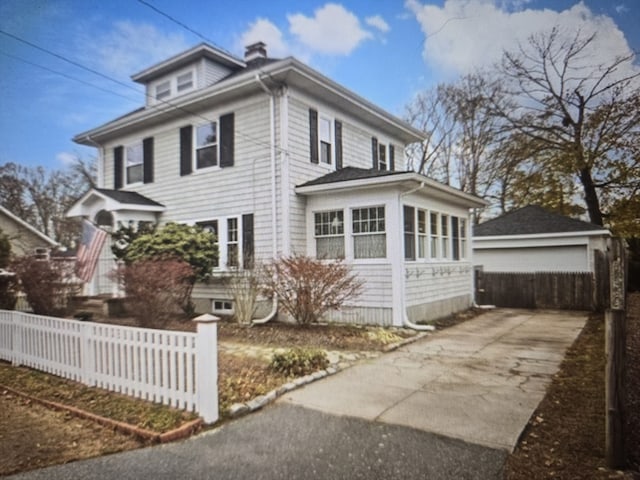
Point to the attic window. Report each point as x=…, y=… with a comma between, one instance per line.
x=163, y=90
x=185, y=82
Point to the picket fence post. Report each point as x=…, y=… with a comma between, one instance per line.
x=16, y=341
x=87, y=356
x=207, y=366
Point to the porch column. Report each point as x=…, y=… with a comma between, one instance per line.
x=395, y=253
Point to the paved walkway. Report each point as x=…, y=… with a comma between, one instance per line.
x=389, y=417
x=479, y=381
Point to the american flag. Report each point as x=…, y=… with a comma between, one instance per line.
x=89, y=251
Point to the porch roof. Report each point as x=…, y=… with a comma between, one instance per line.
x=113, y=200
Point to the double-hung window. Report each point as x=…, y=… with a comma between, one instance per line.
x=329, y=234
x=163, y=90
x=422, y=234
x=369, y=234
x=409, y=233
x=134, y=163
x=445, y=236
x=463, y=238
x=184, y=82
x=433, y=233
x=206, y=145
x=233, y=244
x=325, y=140
x=383, y=164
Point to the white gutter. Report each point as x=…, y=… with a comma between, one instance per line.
x=403, y=287
x=274, y=196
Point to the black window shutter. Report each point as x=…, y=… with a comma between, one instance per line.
x=247, y=241
x=226, y=140
x=313, y=135
x=374, y=152
x=392, y=159
x=117, y=167
x=147, y=160
x=186, y=150
x=338, y=145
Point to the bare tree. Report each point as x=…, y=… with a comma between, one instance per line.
x=583, y=117
x=42, y=197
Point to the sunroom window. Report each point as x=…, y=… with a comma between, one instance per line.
x=329, y=234
x=369, y=234
x=422, y=234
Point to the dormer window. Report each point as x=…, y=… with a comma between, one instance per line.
x=178, y=84
x=207, y=145
x=184, y=82
x=163, y=90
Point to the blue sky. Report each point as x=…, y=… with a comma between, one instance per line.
x=386, y=51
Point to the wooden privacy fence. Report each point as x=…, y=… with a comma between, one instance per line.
x=175, y=368
x=562, y=290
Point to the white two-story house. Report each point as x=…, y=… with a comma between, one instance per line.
x=277, y=159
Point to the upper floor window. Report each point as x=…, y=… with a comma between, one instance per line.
x=184, y=82
x=325, y=140
x=329, y=234
x=134, y=163
x=382, y=157
x=369, y=233
x=163, y=90
x=206, y=145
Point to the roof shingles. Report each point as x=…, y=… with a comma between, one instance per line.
x=531, y=220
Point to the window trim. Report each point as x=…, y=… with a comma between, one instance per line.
x=222, y=242
x=196, y=147
x=138, y=145
x=355, y=234
x=317, y=235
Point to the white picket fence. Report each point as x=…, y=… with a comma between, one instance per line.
x=175, y=368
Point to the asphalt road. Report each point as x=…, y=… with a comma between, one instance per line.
x=291, y=442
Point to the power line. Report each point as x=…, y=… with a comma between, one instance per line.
x=146, y=94
x=66, y=75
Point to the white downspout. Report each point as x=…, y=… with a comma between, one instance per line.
x=403, y=287
x=274, y=206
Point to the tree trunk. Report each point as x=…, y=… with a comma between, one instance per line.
x=591, y=196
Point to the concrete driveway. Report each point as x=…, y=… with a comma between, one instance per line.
x=479, y=381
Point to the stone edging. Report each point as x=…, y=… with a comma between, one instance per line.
x=239, y=409
x=179, y=433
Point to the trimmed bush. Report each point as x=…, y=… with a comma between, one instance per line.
x=298, y=362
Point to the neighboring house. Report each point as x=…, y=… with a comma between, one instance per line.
x=277, y=159
x=24, y=238
x=532, y=239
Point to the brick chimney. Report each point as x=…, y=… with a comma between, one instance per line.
x=254, y=51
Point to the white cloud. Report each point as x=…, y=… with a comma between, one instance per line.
x=130, y=47
x=378, y=22
x=333, y=30
x=263, y=30
x=66, y=158
x=622, y=8
x=463, y=34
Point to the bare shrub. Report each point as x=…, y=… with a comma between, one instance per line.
x=48, y=285
x=156, y=290
x=307, y=288
x=243, y=286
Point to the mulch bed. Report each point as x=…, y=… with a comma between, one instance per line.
x=633, y=381
x=565, y=438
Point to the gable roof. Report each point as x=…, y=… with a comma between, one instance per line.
x=29, y=227
x=113, y=200
x=532, y=220
x=129, y=198
x=352, y=178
